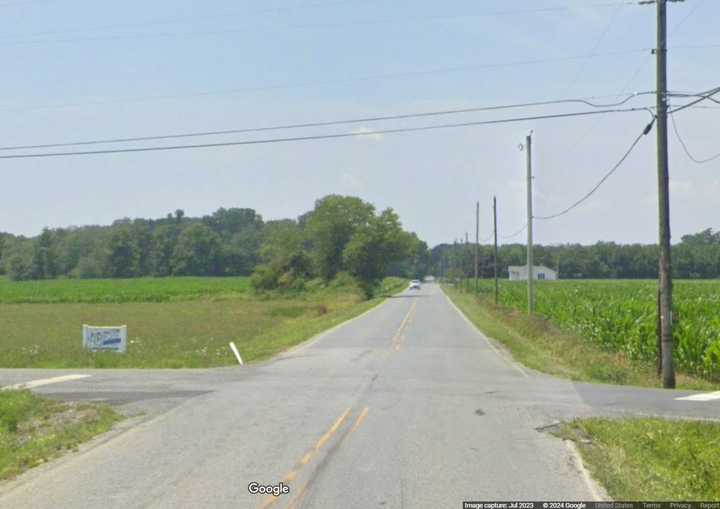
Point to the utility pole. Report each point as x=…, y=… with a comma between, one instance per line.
x=464, y=258
x=477, y=242
x=456, y=265
x=495, y=253
x=530, y=267
x=665, y=280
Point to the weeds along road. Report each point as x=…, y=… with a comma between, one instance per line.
x=407, y=405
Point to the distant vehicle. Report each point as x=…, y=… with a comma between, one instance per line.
x=414, y=284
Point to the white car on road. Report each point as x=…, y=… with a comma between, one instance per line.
x=414, y=284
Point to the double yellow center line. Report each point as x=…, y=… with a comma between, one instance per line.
x=397, y=339
x=308, y=456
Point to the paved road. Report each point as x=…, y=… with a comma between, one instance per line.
x=405, y=406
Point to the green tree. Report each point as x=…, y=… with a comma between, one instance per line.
x=286, y=264
x=374, y=246
x=19, y=268
x=141, y=231
x=198, y=252
x=331, y=226
x=703, y=238
x=44, y=258
x=164, y=239
x=89, y=266
x=4, y=242
x=228, y=222
x=122, y=259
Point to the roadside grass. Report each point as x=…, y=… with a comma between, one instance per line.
x=34, y=430
x=650, y=459
x=176, y=334
x=538, y=344
x=121, y=290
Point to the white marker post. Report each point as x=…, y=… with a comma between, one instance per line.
x=237, y=354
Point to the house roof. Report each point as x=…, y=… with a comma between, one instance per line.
x=519, y=267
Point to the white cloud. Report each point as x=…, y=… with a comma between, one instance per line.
x=367, y=132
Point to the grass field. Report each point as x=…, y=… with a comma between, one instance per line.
x=120, y=290
x=541, y=345
x=650, y=459
x=34, y=430
x=188, y=328
x=620, y=316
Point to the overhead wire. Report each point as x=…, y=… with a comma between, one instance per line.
x=595, y=47
x=518, y=232
x=243, y=29
x=685, y=147
x=172, y=20
x=326, y=123
x=705, y=96
x=672, y=31
x=688, y=94
x=321, y=136
x=602, y=181
x=592, y=191
x=283, y=86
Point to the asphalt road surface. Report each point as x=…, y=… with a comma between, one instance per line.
x=405, y=406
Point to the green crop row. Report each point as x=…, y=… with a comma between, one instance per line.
x=620, y=316
x=113, y=291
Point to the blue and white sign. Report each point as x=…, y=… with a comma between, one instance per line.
x=106, y=339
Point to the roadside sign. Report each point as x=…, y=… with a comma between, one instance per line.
x=105, y=339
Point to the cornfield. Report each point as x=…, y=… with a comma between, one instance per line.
x=620, y=316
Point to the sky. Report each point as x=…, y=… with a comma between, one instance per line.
x=78, y=70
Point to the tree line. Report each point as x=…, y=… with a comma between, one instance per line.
x=341, y=234
x=697, y=256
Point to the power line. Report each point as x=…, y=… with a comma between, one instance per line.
x=171, y=20
x=281, y=86
x=684, y=94
x=243, y=28
x=20, y=2
x=702, y=97
x=602, y=180
x=323, y=136
x=685, y=148
x=583, y=65
x=674, y=29
x=327, y=123
x=697, y=5
x=595, y=47
x=516, y=233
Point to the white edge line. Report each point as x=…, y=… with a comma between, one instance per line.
x=43, y=381
x=497, y=352
x=704, y=396
x=589, y=482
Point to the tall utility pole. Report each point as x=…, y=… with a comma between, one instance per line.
x=477, y=241
x=495, y=252
x=530, y=276
x=456, y=265
x=464, y=257
x=665, y=281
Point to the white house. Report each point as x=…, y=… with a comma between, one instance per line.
x=519, y=273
